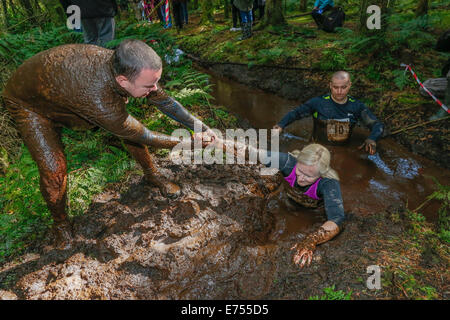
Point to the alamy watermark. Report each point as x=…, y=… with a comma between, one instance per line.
x=236, y=147
x=374, y=21
x=74, y=20
x=374, y=280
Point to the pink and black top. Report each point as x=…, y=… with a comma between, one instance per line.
x=324, y=189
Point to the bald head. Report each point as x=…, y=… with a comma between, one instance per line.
x=340, y=75
x=340, y=86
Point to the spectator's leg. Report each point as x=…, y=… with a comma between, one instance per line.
x=234, y=14
x=250, y=24
x=255, y=7
x=441, y=113
x=184, y=11
x=90, y=32
x=177, y=15
x=318, y=18
x=106, y=30
x=160, y=14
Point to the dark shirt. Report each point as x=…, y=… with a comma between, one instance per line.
x=328, y=189
x=93, y=8
x=324, y=108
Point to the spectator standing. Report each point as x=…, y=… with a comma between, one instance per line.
x=320, y=6
x=177, y=13
x=245, y=8
x=235, y=14
x=184, y=11
x=97, y=19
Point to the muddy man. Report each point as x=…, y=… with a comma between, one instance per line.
x=85, y=86
x=336, y=114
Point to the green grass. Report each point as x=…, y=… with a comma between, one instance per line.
x=331, y=294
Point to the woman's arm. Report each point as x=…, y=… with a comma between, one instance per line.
x=329, y=190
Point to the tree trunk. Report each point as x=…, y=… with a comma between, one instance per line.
x=26, y=5
x=303, y=5
x=207, y=7
x=5, y=13
x=226, y=9
x=195, y=5
x=273, y=15
x=37, y=6
x=13, y=7
x=422, y=8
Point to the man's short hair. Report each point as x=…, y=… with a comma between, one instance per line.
x=132, y=56
x=340, y=75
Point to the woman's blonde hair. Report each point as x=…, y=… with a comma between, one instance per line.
x=316, y=155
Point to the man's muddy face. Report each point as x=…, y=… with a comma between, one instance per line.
x=339, y=89
x=145, y=83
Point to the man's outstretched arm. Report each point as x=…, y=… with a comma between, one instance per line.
x=298, y=113
x=173, y=109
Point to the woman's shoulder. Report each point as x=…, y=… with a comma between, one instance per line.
x=328, y=182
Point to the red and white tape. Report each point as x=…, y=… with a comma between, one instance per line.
x=424, y=88
x=167, y=12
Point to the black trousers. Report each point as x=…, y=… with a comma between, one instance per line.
x=260, y=8
x=177, y=14
x=318, y=18
x=235, y=14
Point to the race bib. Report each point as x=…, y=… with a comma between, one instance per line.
x=337, y=130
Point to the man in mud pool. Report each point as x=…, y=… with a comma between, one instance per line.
x=84, y=86
x=336, y=114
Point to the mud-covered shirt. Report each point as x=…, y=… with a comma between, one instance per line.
x=324, y=108
x=74, y=85
x=328, y=189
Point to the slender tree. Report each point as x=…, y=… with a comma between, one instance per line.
x=195, y=4
x=273, y=15
x=26, y=5
x=207, y=7
x=226, y=9
x=422, y=8
x=303, y=5
x=12, y=7
x=5, y=13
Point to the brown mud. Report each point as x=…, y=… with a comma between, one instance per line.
x=221, y=239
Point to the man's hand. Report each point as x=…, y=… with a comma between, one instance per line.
x=208, y=137
x=369, y=146
x=277, y=127
x=304, y=253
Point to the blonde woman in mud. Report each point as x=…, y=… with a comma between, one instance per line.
x=309, y=181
